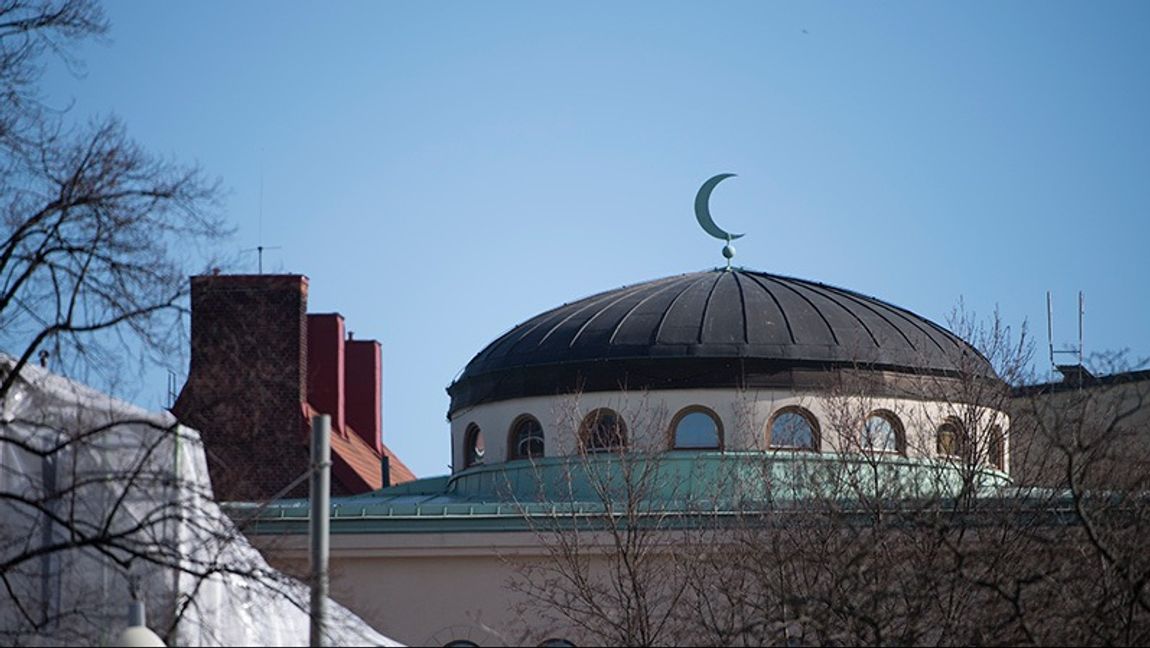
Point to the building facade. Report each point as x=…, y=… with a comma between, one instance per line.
x=686, y=404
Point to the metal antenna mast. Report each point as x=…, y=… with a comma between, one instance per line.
x=1075, y=371
x=260, y=247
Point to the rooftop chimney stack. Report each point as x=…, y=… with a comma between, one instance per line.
x=364, y=396
x=326, y=370
x=260, y=367
x=246, y=380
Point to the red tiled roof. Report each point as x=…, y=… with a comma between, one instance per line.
x=356, y=464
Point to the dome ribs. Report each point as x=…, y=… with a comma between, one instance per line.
x=774, y=300
x=930, y=330
x=646, y=287
x=743, y=309
x=511, y=341
x=541, y=321
x=906, y=319
x=821, y=317
x=873, y=304
x=833, y=299
x=588, y=304
x=713, y=330
x=836, y=298
x=657, y=334
x=630, y=311
x=956, y=342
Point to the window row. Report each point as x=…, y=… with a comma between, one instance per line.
x=525, y=441
x=699, y=428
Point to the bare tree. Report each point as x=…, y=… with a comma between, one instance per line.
x=1085, y=438
x=605, y=571
x=98, y=498
x=97, y=233
x=866, y=547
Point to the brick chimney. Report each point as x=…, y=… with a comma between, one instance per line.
x=247, y=380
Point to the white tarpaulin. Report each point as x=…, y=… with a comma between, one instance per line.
x=99, y=498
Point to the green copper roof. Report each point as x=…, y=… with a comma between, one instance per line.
x=677, y=485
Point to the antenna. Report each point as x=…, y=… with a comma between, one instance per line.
x=259, y=250
x=1081, y=315
x=1077, y=371
x=260, y=247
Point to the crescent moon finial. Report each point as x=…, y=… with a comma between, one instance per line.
x=703, y=215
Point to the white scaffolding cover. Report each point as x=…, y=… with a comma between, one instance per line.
x=97, y=497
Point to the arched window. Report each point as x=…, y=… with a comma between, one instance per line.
x=472, y=446
x=794, y=428
x=603, y=429
x=950, y=439
x=526, y=438
x=697, y=428
x=996, y=448
x=882, y=432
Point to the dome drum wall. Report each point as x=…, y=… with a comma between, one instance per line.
x=744, y=416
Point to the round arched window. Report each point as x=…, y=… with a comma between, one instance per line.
x=697, y=428
x=526, y=438
x=473, y=449
x=794, y=428
x=996, y=448
x=882, y=432
x=603, y=429
x=950, y=440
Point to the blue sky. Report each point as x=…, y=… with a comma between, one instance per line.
x=444, y=170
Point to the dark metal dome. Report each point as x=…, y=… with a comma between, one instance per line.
x=735, y=328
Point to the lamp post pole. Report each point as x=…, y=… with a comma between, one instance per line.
x=320, y=522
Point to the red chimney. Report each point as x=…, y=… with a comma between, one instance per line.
x=325, y=367
x=363, y=398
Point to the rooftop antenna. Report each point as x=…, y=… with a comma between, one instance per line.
x=703, y=215
x=1070, y=372
x=260, y=247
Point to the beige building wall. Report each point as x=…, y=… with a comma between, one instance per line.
x=427, y=589
x=1101, y=430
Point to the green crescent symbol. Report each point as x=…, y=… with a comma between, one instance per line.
x=703, y=209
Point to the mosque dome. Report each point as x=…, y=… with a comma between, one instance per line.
x=733, y=328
